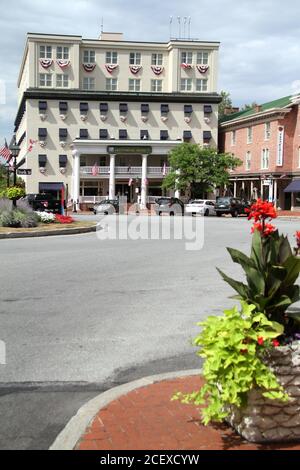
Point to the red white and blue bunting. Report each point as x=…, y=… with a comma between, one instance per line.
x=157, y=70
x=46, y=63
x=63, y=63
x=135, y=69
x=111, y=67
x=202, y=68
x=89, y=67
x=184, y=65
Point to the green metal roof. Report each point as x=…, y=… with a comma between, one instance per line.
x=280, y=103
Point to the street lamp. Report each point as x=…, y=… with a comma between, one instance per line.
x=15, y=150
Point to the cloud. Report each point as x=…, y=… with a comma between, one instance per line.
x=259, y=53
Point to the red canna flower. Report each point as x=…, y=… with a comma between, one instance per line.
x=260, y=340
x=297, y=236
x=275, y=343
x=262, y=210
x=265, y=229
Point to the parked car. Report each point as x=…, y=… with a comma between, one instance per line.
x=201, y=207
x=169, y=205
x=230, y=205
x=43, y=202
x=109, y=206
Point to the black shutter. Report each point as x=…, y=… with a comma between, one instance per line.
x=63, y=160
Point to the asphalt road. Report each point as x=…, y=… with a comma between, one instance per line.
x=79, y=315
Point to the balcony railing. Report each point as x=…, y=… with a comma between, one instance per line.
x=152, y=171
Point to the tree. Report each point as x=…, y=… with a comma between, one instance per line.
x=246, y=107
x=197, y=169
x=3, y=177
x=225, y=103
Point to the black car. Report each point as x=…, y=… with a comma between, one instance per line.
x=169, y=205
x=44, y=202
x=230, y=205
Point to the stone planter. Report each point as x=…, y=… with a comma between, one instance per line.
x=265, y=420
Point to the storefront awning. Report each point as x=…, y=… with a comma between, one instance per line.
x=293, y=187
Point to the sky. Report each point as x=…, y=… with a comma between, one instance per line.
x=259, y=53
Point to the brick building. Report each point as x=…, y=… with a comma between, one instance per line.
x=267, y=140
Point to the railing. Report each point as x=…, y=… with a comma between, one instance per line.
x=91, y=199
x=124, y=170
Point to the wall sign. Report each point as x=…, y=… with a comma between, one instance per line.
x=137, y=149
x=280, y=146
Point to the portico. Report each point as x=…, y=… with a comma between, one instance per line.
x=150, y=167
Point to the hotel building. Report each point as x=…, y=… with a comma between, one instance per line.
x=104, y=114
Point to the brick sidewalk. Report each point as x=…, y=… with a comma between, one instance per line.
x=146, y=419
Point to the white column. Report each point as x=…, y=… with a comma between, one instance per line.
x=177, y=191
x=112, y=191
x=261, y=189
x=144, y=182
x=76, y=179
x=275, y=192
x=251, y=189
x=234, y=189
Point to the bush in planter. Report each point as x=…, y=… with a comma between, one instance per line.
x=252, y=357
x=13, y=193
x=18, y=218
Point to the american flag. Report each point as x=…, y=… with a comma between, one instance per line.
x=31, y=145
x=5, y=152
x=95, y=170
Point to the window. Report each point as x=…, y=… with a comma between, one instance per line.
x=188, y=109
x=144, y=108
x=249, y=135
x=267, y=130
x=202, y=58
x=187, y=58
x=122, y=134
x=144, y=135
x=63, y=134
x=103, y=134
x=207, y=108
x=84, y=108
x=45, y=52
x=88, y=83
x=63, y=106
x=62, y=53
x=186, y=84
x=157, y=59
x=42, y=106
x=89, y=57
x=103, y=108
x=123, y=108
x=164, y=135
x=46, y=79
x=62, y=80
x=134, y=84
x=248, y=161
x=42, y=133
x=83, y=134
x=233, y=137
x=164, y=109
x=265, y=159
x=207, y=136
x=187, y=135
x=111, y=58
x=135, y=58
x=156, y=85
x=201, y=84
x=111, y=84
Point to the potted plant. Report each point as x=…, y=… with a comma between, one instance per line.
x=252, y=355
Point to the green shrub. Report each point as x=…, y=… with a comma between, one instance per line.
x=18, y=218
x=13, y=193
x=233, y=347
x=7, y=219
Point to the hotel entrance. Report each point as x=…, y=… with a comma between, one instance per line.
x=123, y=189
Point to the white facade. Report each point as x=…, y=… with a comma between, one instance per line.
x=112, y=92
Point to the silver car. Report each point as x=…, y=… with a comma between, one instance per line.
x=169, y=205
x=201, y=207
x=109, y=206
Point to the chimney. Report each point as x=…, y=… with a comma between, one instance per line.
x=257, y=108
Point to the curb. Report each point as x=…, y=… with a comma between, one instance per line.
x=49, y=233
x=70, y=435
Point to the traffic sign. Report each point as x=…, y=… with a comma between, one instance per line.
x=24, y=172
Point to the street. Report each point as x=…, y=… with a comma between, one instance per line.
x=79, y=315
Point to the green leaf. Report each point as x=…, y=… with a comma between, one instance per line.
x=241, y=288
x=242, y=259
